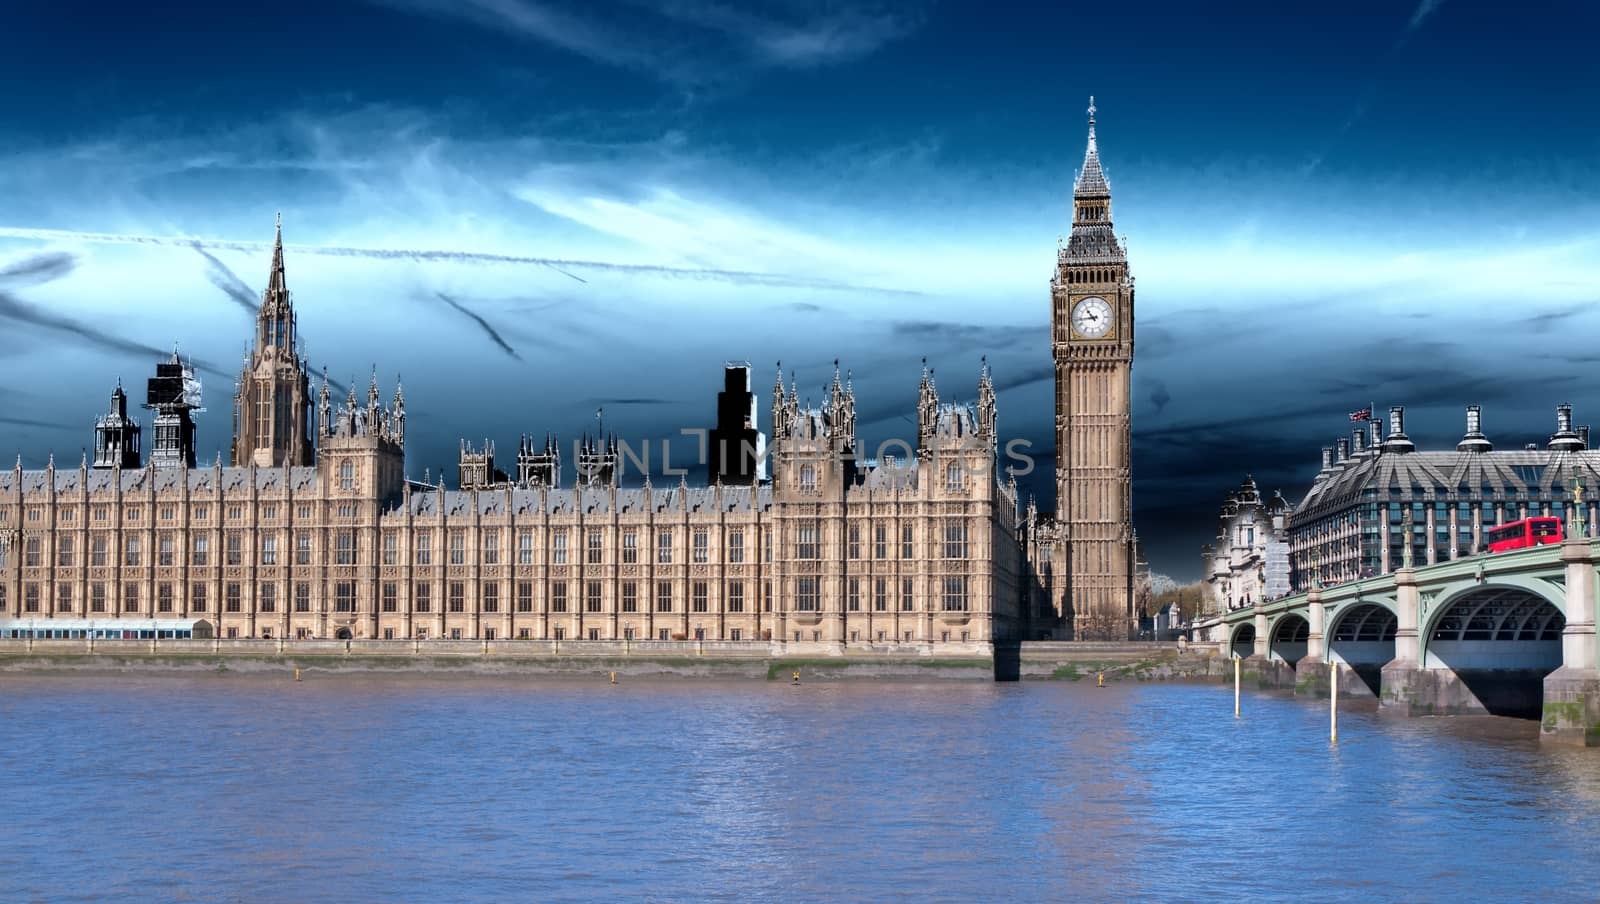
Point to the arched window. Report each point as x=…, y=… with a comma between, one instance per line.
x=347, y=475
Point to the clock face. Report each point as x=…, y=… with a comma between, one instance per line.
x=1091, y=318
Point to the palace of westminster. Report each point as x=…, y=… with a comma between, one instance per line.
x=315, y=530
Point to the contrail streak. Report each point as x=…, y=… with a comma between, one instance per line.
x=228, y=281
x=40, y=268
x=49, y=425
x=493, y=334
x=17, y=309
x=739, y=277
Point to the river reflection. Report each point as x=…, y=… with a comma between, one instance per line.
x=263, y=789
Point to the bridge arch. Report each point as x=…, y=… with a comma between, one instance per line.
x=1500, y=639
x=1243, y=642
x=1361, y=636
x=1289, y=633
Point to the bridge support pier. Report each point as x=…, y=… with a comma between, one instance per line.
x=1259, y=666
x=1572, y=692
x=1408, y=689
x=1311, y=672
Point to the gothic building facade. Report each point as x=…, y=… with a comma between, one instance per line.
x=315, y=531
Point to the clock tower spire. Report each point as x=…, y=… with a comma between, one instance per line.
x=1091, y=298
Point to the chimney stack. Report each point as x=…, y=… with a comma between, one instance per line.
x=1357, y=440
x=1376, y=442
x=1565, y=439
x=1327, y=461
x=1474, y=440
x=1344, y=450
x=1583, y=434
x=1397, y=440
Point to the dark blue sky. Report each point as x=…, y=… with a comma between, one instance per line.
x=1382, y=201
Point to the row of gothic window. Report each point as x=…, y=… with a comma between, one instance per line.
x=807, y=599
x=345, y=549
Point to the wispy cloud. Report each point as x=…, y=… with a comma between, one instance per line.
x=741, y=277
x=687, y=41
x=821, y=37
x=1425, y=8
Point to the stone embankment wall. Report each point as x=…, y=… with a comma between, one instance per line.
x=598, y=659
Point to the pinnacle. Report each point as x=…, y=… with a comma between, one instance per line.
x=275, y=279
x=1091, y=179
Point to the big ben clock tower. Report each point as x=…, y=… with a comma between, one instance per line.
x=1091, y=298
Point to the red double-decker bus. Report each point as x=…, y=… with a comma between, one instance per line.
x=1541, y=531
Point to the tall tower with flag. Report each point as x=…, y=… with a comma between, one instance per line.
x=1092, y=341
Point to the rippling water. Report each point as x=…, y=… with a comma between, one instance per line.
x=233, y=788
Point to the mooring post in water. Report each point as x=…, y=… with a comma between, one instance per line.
x=1333, y=702
x=1237, y=664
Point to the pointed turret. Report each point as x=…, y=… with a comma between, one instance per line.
x=324, y=407
x=986, y=406
x=397, y=413
x=780, y=411
x=1091, y=182
x=277, y=286
x=927, y=411
x=116, y=436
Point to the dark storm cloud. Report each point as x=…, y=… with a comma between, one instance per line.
x=633, y=401
x=560, y=265
x=40, y=268
x=229, y=282
x=488, y=330
x=940, y=334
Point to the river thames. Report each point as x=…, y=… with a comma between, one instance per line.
x=261, y=789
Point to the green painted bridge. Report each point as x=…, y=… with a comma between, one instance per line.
x=1503, y=633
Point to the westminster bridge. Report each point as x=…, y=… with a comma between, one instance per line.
x=1508, y=633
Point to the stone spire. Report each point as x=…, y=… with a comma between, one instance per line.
x=986, y=406
x=397, y=414
x=1091, y=179
x=1093, y=238
x=780, y=410
x=272, y=404
x=324, y=407
x=374, y=406
x=841, y=411
x=277, y=286
x=927, y=411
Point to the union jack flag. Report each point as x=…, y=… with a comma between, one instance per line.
x=1361, y=414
